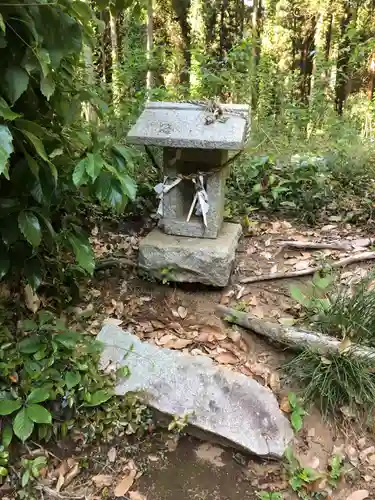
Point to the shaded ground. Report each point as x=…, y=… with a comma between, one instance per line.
x=184, y=318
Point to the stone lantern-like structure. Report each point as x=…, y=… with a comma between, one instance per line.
x=192, y=243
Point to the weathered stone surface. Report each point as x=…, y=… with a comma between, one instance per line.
x=182, y=125
x=177, y=201
x=225, y=403
x=190, y=260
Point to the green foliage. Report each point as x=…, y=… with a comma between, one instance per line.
x=338, y=382
x=336, y=467
x=299, y=477
x=315, y=297
x=264, y=495
x=50, y=159
x=30, y=472
x=50, y=380
x=297, y=411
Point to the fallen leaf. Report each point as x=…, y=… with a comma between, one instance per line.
x=60, y=482
x=178, y=343
x=358, y=495
x=182, y=312
x=112, y=453
x=153, y=458
x=302, y=264
x=102, y=480
x=172, y=443
x=113, y=321
x=273, y=269
x=73, y=472
x=32, y=300
x=285, y=405
x=287, y=321
x=274, y=382
x=158, y=325
x=135, y=495
x=226, y=358
x=258, y=312
x=175, y=313
x=125, y=484
x=213, y=333
x=176, y=327
x=234, y=335
x=166, y=338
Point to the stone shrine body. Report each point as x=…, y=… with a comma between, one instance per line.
x=192, y=243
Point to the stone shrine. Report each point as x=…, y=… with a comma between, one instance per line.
x=192, y=243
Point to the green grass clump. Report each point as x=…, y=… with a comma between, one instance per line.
x=335, y=381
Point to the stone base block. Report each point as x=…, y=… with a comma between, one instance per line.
x=191, y=260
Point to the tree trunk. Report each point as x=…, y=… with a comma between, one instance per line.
x=116, y=89
x=327, y=48
x=150, y=45
x=342, y=62
x=88, y=108
x=371, y=78
x=182, y=8
x=307, y=61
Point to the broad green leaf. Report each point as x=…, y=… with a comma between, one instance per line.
x=102, y=186
x=7, y=435
x=296, y=421
x=72, y=379
x=17, y=81
x=83, y=252
x=2, y=23
x=29, y=325
x=94, y=165
x=38, y=395
x=292, y=398
x=8, y=406
x=6, y=149
x=33, y=127
x=38, y=414
x=79, y=173
x=4, y=262
x=6, y=112
x=83, y=10
x=30, y=227
x=33, y=165
x=44, y=61
x=3, y=471
x=115, y=198
x=47, y=86
x=25, y=478
x=99, y=397
x=29, y=345
x=297, y=295
x=34, y=272
x=68, y=339
x=37, y=143
x=130, y=187
x=22, y=425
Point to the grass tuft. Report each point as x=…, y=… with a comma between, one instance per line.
x=338, y=383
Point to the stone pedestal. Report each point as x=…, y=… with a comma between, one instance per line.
x=183, y=259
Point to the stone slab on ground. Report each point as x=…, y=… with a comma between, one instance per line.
x=220, y=401
x=191, y=260
x=183, y=125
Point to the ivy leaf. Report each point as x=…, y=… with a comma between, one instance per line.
x=30, y=345
x=17, y=81
x=47, y=86
x=94, y=165
x=7, y=435
x=79, y=173
x=72, y=379
x=6, y=112
x=6, y=149
x=37, y=143
x=130, y=187
x=99, y=397
x=38, y=414
x=38, y=395
x=83, y=252
x=8, y=406
x=22, y=425
x=2, y=23
x=30, y=227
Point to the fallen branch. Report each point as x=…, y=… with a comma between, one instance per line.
x=335, y=245
x=362, y=257
x=114, y=262
x=295, y=338
x=59, y=496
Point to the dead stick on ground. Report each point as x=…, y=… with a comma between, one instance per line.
x=334, y=245
x=55, y=494
x=114, y=262
x=295, y=338
x=362, y=257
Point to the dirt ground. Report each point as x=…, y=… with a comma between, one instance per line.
x=169, y=467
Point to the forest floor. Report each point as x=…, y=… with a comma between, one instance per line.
x=165, y=466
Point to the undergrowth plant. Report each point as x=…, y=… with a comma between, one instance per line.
x=50, y=381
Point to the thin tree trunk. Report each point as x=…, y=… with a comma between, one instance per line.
x=371, y=78
x=327, y=48
x=102, y=48
x=182, y=9
x=88, y=108
x=150, y=45
x=115, y=61
x=342, y=62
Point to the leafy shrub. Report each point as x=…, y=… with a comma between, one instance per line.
x=50, y=159
x=50, y=380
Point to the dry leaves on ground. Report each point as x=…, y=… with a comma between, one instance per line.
x=124, y=485
x=359, y=495
x=102, y=480
x=135, y=495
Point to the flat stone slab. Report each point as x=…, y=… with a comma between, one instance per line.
x=191, y=260
x=218, y=401
x=182, y=125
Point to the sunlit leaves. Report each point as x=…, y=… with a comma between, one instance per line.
x=6, y=112
x=6, y=149
x=29, y=226
x=83, y=252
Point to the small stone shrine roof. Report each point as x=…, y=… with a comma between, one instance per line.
x=183, y=125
